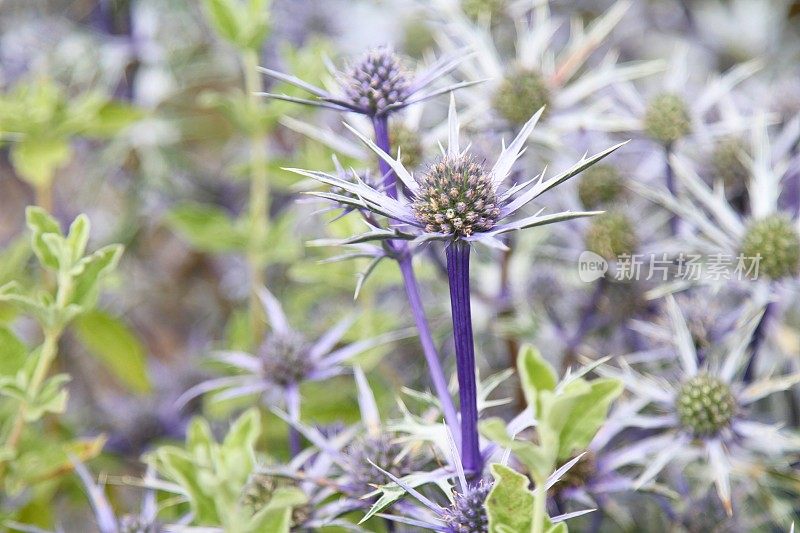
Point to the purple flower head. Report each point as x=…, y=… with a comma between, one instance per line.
x=467, y=513
x=377, y=81
x=375, y=85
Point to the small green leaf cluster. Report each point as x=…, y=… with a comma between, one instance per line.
x=41, y=120
x=569, y=414
x=243, y=23
x=78, y=275
x=216, y=478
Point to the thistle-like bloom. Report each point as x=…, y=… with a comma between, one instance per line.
x=376, y=84
x=284, y=361
x=702, y=416
x=543, y=71
x=457, y=198
x=671, y=108
x=464, y=510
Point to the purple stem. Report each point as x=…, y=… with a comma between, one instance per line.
x=428, y=346
x=381, y=125
x=588, y=316
x=293, y=406
x=759, y=334
x=404, y=259
x=458, y=274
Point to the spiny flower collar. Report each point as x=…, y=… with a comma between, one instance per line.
x=457, y=198
x=375, y=85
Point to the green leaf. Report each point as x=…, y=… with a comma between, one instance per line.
x=52, y=398
x=13, y=293
x=13, y=260
x=588, y=414
x=206, y=227
x=223, y=17
x=12, y=352
x=111, y=118
x=89, y=271
x=36, y=159
x=77, y=237
x=537, y=459
x=40, y=224
x=109, y=340
x=276, y=515
x=536, y=375
x=244, y=432
x=509, y=505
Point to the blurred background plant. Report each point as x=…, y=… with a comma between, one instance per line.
x=144, y=117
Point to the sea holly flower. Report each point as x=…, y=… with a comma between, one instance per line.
x=283, y=362
x=376, y=84
x=764, y=247
x=673, y=107
x=673, y=110
x=703, y=414
x=460, y=202
x=457, y=198
x=543, y=72
x=466, y=508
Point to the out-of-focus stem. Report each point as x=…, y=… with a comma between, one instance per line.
x=458, y=274
x=426, y=340
x=293, y=406
x=47, y=355
x=44, y=195
x=539, y=506
x=759, y=335
x=670, y=182
x=259, y=197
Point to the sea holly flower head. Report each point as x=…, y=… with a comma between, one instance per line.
x=728, y=163
x=776, y=241
x=521, y=93
x=547, y=65
x=467, y=513
x=667, y=118
x=285, y=359
x=381, y=449
x=376, y=81
x=375, y=85
x=705, y=405
x=457, y=198
x=600, y=185
x=611, y=235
